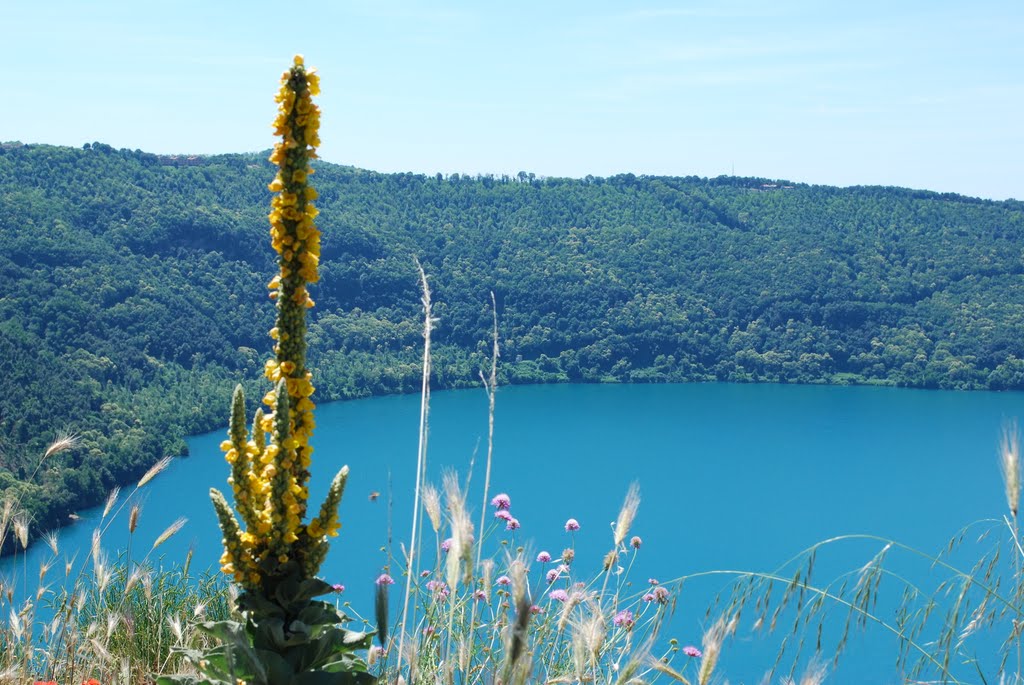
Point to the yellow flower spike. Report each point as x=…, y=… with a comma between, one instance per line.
x=270, y=468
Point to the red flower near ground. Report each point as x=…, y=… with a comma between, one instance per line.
x=91, y=681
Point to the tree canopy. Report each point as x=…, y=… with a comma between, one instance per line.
x=134, y=292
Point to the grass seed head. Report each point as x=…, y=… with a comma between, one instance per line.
x=432, y=505
x=63, y=442
x=1009, y=462
x=154, y=471
x=627, y=514
x=169, y=531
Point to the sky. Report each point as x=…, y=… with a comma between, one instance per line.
x=909, y=93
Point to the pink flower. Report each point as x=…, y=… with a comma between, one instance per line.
x=384, y=579
x=559, y=595
x=479, y=594
x=572, y=525
x=503, y=580
x=552, y=575
x=446, y=544
x=691, y=651
x=338, y=587
x=512, y=524
x=424, y=574
x=635, y=542
x=503, y=515
x=649, y=597
x=543, y=557
x=623, y=619
x=661, y=595
x=438, y=587
x=536, y=609
x=501, y=501
x=652, y=581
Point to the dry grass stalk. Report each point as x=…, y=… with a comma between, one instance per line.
x=627, y=514
x=813, y=675
x=169, y=531
x=154, y=471
x=133, y=517
x=421, y=455
x=1009, y=463
x=712, y=648
x=588, y=634
x=432, y=505
x=111, y=501
x=63, y=442
x=20, y=525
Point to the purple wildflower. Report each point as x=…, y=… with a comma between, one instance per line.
x=384, y=579
x=559, y=595
x=661, y=595
x=338, y=587
x=692, y=651
x=503, y=515
x=623, y=619
x=552, y=575
x=501, y=501
x=572, y=525
x=480, y=594
x=652, y=581
x=512, y=524
x=649, y=597
x=503, y=580
x=536, y=609
x=446, y=544
x=635, y=542
x=543, y=557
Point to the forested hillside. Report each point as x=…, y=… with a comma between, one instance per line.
x=134, y=292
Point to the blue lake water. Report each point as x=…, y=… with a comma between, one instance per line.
x=731, y=477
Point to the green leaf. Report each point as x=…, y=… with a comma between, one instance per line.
x=335, y=678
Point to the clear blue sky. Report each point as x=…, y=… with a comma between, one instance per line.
x=919, y=94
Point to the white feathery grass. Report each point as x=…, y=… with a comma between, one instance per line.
x=712, y=649
x=50, y=540
x=432, y=505
x=111, y=501
x=154, y=471
x=174, y=623
x=20, y=525
x=421, y=457
x=169, y=531
x=588, y=635
x=627, y=514
x=61, y=443
x=814, y=674
x=1009, y=463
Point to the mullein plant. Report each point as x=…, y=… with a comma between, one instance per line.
x=272, y=555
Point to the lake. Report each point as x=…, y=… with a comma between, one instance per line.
x=731, y=477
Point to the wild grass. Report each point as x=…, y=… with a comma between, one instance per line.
x=84, y=615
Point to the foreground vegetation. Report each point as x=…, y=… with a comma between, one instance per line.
x=133, y=296
x=504, y=614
